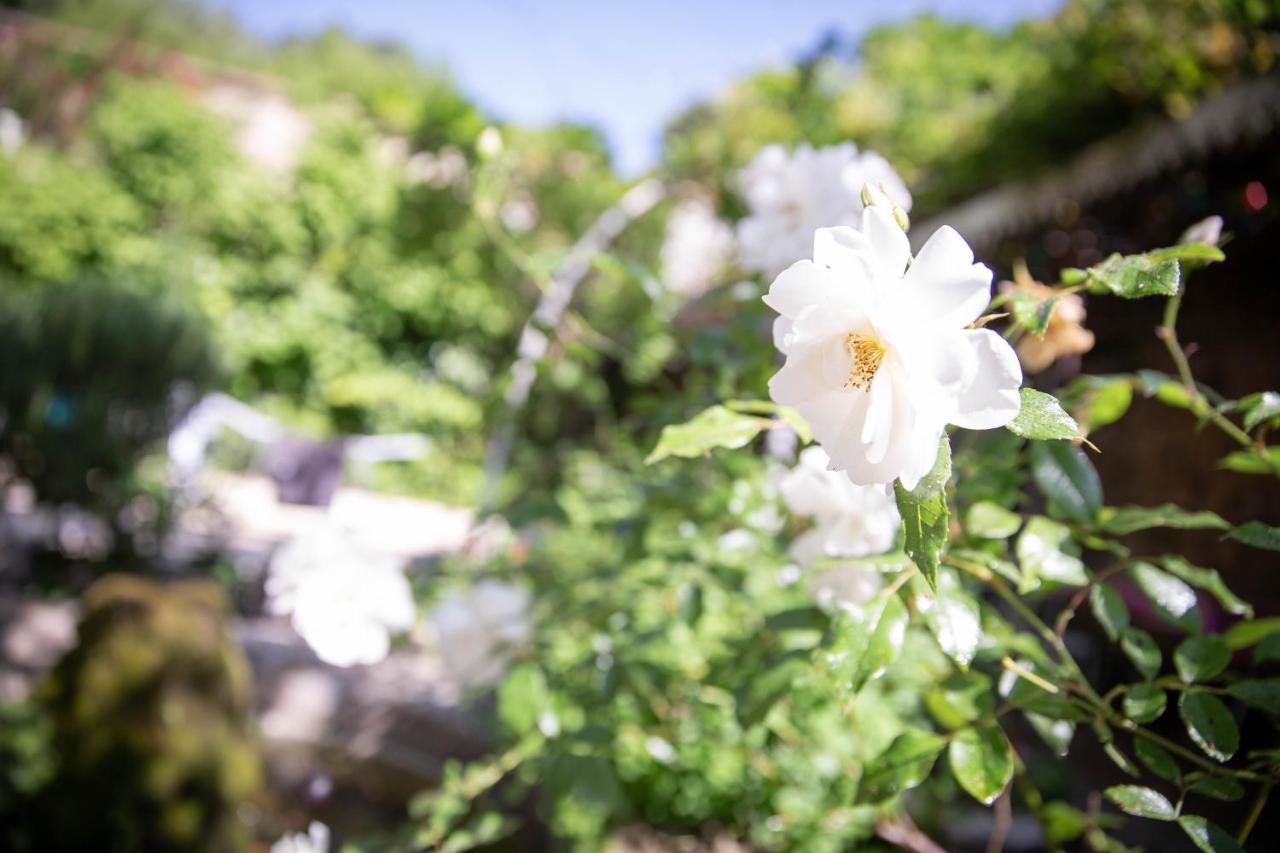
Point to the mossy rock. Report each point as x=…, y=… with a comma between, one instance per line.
x=151, y=722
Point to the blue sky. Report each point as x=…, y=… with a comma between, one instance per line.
x=626, y=67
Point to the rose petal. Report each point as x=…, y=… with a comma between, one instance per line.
x=944, y=285
x=990, y=399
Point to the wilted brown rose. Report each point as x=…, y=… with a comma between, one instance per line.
x=1065, y=334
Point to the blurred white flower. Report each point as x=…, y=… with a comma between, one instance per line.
x=696, y=249
x=519, y=213
x=445, y=168
x=738, y=539
x=660, y=750
x=270, y=130
x=480, y=629
x=878, y=359
x=344, y=598
x=489, y=143
x=791, y=194
x=849, y=520
x=845, y=586
x=13, y=133
x=1207, y=230
x=316, y=840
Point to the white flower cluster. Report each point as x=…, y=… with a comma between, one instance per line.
x=696, y=249
x=316, y=840
x=849, y=520
x=479, y=630
x=880, y=353
x=344, y=598
x=791, y=194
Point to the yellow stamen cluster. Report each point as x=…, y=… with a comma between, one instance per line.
x=867, y=353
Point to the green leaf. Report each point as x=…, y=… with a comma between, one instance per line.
x=1002, y=567
x=1057, y=734
x=788, y=415
x=1170, y=597
x=1251, y=462
x=960, y=699
x=1042, y=417
x=1142, y=651
x=1135, y=276
x=1102, y=400
x=1067, y=478
x=1157, y=761
x=1120, y=759
x=1209, y=837
x=1218, y=787
x=1260, y=407
x=1110, y=610
x=1258, y=535
x=1244, y=634
x=868, y=638
x=1192, y=254
x=1144, y=703
x=1141, y=802
x=776, y=681
x=1063, y=822
x=989, y=520
x=1209, y=724
x=1210, y=581
x=1201, y=658
x=955, y=623
x=1129, y=519
x=1039, y=550
x=905, y=764
x=714, y=427
x=982, y=762
x=1032, y=313
x=925, y=515
x=1268, y=649
x=1260, y=693
x=522, y=697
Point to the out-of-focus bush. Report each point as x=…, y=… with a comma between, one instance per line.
x=959, y=108
x=60, y=217
x=160, y=146
x=26, y=766
x=95, y=375
x=151, y=724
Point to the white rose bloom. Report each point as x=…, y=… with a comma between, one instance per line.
x=480, y=629
x=316, y=840
x=792, y=194
x=696, y=248
x=845, y=587
x=878, y=359
x=849, y=520
x=344, y=598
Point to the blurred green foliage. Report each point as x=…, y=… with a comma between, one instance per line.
x=681, y=674
x=958, y=108
x=98, y=375
x=150, y=715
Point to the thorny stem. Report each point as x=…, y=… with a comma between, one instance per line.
x=1022, y=672
x=1089, y=700
x=1254, y=813
x=1033, y=798
x=898, y=581
x=1125, y=724
x=1167, y=332
x=1031, y=618
x=1068, y=613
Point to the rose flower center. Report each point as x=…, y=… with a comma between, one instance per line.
x=867, y=353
